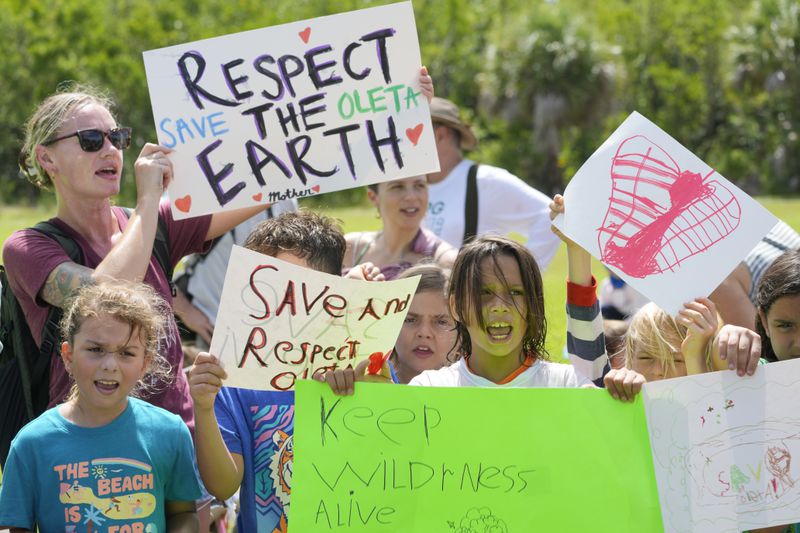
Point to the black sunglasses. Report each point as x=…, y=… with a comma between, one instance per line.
x=92, y=140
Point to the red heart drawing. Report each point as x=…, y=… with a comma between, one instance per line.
x=184, y=204
x=414, y=133
x=315, y=188
x=659, y=214
x=305, y=34
x=257, y=197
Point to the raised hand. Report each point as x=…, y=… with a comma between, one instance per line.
x=205, y=380
x=701, y=322
x=426, y=83
x=366, y=271
x=739, y=347
x=153, y=170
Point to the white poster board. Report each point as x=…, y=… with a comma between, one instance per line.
x=278, y=322
x=658, y=216
x=293, y=110
x=726, y=449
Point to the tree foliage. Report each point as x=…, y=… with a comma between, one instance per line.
x=544, y=82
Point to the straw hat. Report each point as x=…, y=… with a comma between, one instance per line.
x=445, y=112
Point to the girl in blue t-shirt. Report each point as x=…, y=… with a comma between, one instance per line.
x=102, y=459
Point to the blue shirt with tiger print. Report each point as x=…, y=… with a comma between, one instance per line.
x=259, y=426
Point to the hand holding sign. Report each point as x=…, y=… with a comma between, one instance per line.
x=153, y=171
x=374, y=369
x=206, y=377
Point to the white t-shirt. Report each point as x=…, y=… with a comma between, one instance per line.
x=540, y=374
x=506, y=205
x=205, y=284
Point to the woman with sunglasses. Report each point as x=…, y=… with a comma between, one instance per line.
x=74, y=146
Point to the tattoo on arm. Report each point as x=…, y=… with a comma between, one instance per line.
x=63, y=281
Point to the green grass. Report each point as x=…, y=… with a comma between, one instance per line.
x=13, y=217
x=362, y=217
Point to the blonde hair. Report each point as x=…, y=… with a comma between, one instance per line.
x=135, y=304
x=46, y=121
x=654, y=332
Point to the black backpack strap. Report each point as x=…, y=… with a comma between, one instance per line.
x=22, y=402
x=50, y=330
x=160, y=248
x=60, y=236
x=471, y=205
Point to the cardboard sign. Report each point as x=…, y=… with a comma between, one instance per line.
x=292, y=110
x=659, y=217
x=278, y=322
x=723, y=447
x=402, y=458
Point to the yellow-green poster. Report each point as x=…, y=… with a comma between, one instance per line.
x=400, y=458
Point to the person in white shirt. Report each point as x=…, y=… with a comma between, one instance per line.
x=504, y=204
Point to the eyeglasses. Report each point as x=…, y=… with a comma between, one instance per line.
x=93, y=140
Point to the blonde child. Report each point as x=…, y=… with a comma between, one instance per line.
x=659, y=346
x=427, y=338
x=103, y=459
x=614, y=331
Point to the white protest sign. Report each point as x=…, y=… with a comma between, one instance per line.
x=293, y=110
x=658, y=216
x=278, y=322
x=723, y=448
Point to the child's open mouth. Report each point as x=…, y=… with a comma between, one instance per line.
x=106, y=386
x=499, y=331
x=423, y=352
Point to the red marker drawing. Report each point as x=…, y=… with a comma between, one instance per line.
x=376, y=362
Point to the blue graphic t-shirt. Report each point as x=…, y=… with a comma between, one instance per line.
x=116, y=477
x=259, y=426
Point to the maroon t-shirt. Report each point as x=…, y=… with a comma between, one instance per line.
x=30, y=256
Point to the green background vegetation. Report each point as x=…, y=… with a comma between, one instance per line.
x=546, y=81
